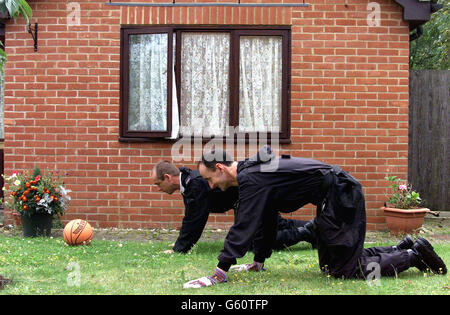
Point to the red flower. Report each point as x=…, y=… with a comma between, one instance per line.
x=37, y=178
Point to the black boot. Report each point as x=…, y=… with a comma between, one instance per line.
x=428, y=259
x=308, y=233
x=415, y=261
x=406, y=243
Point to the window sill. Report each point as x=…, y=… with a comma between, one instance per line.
x=143, y=140
x=193, y=140
x=205, y=4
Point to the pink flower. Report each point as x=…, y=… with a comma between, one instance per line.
x=37, y=178
x=402, y=187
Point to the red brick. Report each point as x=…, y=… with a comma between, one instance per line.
x=349, y=101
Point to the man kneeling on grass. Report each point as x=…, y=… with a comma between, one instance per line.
x=268, y=184
x=200, y=200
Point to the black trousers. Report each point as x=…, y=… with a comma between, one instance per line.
x=341, y=227
x=288, y=234
x=389, y=261
x=383, y=260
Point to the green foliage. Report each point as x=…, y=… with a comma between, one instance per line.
x=432, y=49
x=3, y=57
x=403, y=197
x=36, y=172
x=29, y=195
x=14, y=8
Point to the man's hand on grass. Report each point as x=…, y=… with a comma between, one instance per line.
x=169, y=251
x=219, y=276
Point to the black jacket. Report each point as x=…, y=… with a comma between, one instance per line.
x=199, y=200
x=268, y=184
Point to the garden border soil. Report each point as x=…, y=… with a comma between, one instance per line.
x=437, y=230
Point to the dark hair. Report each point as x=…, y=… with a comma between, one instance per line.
x=211, y=158
x=165, y=167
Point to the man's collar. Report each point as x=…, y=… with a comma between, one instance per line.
x=181, y=186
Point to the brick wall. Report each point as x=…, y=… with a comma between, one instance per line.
x=349, y=102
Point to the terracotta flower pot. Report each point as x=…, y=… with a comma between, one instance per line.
x=404, y=221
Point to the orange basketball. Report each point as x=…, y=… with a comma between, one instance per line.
x=78, y=232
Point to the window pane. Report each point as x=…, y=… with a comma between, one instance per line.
x=147, y=104
x=204, y=100
x=260, y=73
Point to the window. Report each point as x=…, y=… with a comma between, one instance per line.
x=184, y=81
x=204, y=77
x=146, y=94
x=260, y=83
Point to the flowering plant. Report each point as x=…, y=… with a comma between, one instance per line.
x=403, y=197
x=34, y=194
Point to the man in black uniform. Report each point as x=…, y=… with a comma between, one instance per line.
x=268, y=184
x=200, y=200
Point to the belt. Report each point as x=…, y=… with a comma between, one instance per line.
x=336, y=169
x=328, y=180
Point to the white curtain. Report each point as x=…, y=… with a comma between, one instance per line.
x=204, y=100
x=260, y=68
x=175, y=116
x=148, y=82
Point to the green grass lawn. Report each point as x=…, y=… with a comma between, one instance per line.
x=40, y=266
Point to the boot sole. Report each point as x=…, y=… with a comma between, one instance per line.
x=429, y=256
